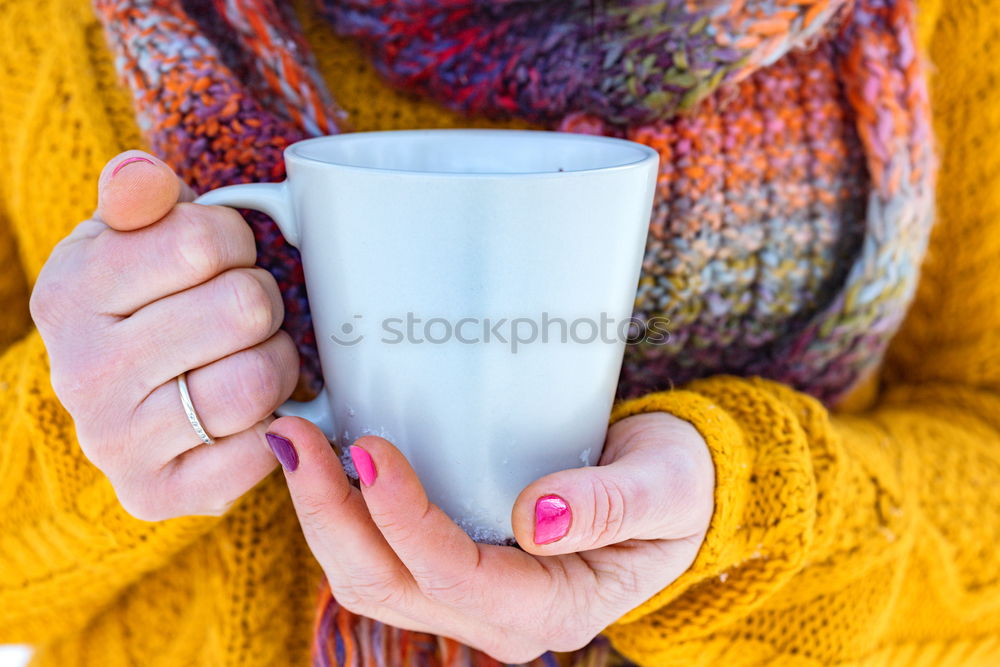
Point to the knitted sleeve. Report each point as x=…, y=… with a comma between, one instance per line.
x=843, y=537
x=66, y=545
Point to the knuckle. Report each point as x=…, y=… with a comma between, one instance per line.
x=403, y=531
x=609, y=511
x=312, y=513
x=196, y=242
x=249, y=303
x=286, y=360
x=97, y=446
x=379, y=589
x=222, y=215
x=42, y=303
x=237, y=231
x=180, y=495
x=51, y=300
x=453, y=593
x=259, y=387
x=145, y=506
x=316, y=510
x=350, y=601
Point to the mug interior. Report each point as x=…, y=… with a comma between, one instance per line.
x=472, y=151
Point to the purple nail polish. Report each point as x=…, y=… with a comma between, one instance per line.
x=123, y=163
x=283, y=450
x=552, y=519
x=364, y=465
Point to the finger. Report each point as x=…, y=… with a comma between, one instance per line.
x=206, y=480
x=486, y=585
x=210, y=478
x=626, y=572
x=655, y=482
x=188, y=246
x=472, y=591
x=329, y=622
x=136, y=189
x=235, y=310
x=361, y=567
x=418, y=531
x=230, y=396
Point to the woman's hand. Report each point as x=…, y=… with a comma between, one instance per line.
x=634, y=524
x=149, y=288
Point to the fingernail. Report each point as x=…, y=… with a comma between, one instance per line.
x=283, y=450
x=123, y=163
x=364, y=465
x=552, y=519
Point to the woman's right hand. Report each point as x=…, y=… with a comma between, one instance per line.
x=150, y=287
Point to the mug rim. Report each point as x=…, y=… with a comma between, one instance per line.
x=646, y=153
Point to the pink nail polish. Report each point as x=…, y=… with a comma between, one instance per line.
x=552, y=519
x=123, y=163
x=364, y=465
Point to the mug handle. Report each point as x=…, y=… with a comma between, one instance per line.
x=274, y=200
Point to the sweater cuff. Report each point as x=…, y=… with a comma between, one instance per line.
x=764, y=506
x=731, y=460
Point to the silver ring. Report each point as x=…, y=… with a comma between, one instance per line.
x=192, y=416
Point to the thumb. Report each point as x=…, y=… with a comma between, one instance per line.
x=655, y=481
x=136, y=189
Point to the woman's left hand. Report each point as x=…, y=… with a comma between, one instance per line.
x=635, y=523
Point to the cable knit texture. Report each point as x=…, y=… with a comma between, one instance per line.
x=857, y=538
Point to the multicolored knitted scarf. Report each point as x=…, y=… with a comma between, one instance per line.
x=796, y=183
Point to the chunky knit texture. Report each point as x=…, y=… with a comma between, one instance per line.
x=794, y=194
x=857, y=538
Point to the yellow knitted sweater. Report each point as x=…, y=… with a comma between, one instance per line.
x=863, y=537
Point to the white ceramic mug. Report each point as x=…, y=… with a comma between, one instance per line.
x=415, y=244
